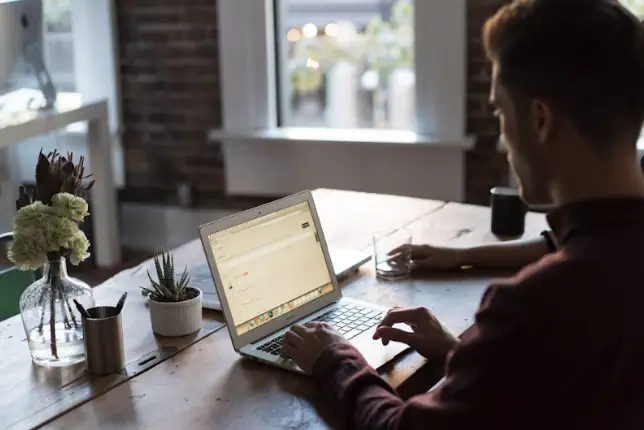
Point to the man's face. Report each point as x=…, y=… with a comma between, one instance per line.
x=520, y=135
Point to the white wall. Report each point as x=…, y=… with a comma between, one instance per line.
x=150, y=227
x=270, y=168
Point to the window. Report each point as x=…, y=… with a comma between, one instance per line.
x=277, y=140
x=53, y=40
x=58, y=46
x=635, y=6
x=346, y=64
x=301, y=84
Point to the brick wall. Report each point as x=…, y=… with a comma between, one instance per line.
x=485, y=166
x=170, y=92
x=170, y=89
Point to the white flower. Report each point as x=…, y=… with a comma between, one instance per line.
x=40, y=230
x=69, y=205
x=78, y=247
x=26, y=251
x=30, y=215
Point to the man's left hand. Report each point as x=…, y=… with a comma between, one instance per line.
x=305, y=344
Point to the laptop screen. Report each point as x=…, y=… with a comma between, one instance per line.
x=270, y=266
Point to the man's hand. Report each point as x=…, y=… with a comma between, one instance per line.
x=427, y=257
x=429, y=338
x=304, y=344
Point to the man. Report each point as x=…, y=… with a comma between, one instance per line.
x=561, y=344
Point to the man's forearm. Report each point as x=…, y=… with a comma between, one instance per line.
x=366, y=401
x=511, y=254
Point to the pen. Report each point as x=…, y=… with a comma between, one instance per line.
x=81, y=309
x=120, y=303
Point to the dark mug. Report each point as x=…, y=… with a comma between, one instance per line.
x=508, y=212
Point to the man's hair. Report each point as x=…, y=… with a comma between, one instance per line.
x=585, y=57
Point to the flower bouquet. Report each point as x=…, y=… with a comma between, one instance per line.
x=46, y=235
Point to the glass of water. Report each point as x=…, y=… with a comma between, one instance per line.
x=392, y=254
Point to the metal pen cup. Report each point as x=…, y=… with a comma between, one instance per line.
x=103, y=337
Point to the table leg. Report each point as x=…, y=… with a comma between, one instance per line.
x=104, y=206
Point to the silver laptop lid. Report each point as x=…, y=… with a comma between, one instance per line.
x=271, y=267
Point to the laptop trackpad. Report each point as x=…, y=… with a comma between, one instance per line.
x=374, y=351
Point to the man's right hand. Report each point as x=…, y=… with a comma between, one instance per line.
x=428, y=336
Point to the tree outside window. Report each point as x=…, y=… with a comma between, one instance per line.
x=355, y=70
x=636, y=6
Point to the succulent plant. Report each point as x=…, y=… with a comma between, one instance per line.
x=167, y=288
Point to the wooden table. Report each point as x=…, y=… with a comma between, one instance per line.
x=200, y=382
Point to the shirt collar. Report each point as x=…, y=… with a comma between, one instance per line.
x=596, y=216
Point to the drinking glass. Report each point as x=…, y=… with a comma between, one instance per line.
x=392, y=254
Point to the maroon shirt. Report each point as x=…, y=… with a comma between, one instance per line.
x=558, y=346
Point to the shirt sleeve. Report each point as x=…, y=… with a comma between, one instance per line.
x=485, y=379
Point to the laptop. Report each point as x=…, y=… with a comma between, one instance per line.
x=272, y=269
x=345, y=263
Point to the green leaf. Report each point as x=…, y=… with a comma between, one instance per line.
x=148, y=290
x=182, y=284
x=162, y=290
x=171, y=274
x=157, y=264
x=153, y=294
x=184, y=277
x=166, y=273
x=158, y=288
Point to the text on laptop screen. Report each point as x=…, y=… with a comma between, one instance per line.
x=270, y=265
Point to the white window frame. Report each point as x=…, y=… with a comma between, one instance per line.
x=640, y=142
x=249, y=96
x=95, y=55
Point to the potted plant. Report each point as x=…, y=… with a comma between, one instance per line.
x=46, y=236
x=175, y=306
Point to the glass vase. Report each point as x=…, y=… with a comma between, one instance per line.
x=52, y=323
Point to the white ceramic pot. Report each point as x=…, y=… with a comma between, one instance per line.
x=176, y=318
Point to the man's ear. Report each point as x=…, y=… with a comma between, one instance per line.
x=542, y=120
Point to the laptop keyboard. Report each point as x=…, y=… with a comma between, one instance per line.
x=349, y=319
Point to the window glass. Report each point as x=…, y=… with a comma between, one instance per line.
x=346, y=64
x=58, y=39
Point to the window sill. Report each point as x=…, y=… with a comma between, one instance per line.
x=284, y=161
x=344, y=136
